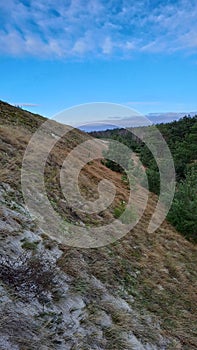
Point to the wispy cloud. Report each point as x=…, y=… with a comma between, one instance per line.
x=144, y=103
x=79, y=28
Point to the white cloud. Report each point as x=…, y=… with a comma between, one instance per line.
x=107, y=46
x=130, y=45
x=94, y=27
x=189, y=39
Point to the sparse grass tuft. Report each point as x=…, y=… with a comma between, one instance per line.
x=30, y=245
x=29, y=275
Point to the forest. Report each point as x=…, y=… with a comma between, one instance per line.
x=181, y=138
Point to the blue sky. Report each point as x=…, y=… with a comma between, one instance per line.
x=56, y=54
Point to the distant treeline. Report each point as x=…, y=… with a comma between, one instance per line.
x=181, y=137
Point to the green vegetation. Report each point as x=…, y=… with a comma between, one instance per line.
x=117, y=157
x=181, y=137
x=183, y=213
x=126, y=214
x=30, y=245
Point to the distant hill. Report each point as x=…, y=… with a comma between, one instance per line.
x=168, y=117
x=155, y=118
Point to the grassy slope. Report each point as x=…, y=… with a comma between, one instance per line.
x=158, y=270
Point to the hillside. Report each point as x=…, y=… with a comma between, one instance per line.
x=138, y=293
x=181, y=137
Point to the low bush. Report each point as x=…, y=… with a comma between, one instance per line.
x=29, y=275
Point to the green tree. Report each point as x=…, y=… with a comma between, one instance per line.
x=183, y=213
x=117, y=156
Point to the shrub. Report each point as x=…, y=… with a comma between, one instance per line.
x=116, y=157
x=30, y=245
x=29, y=275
